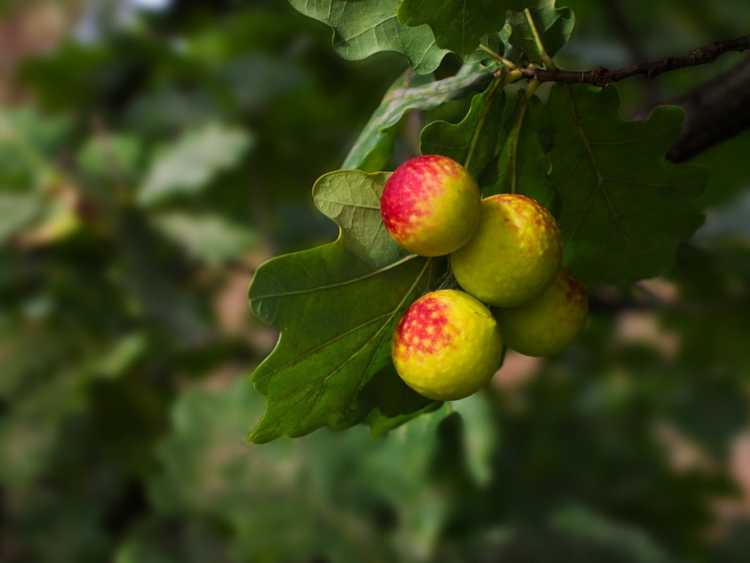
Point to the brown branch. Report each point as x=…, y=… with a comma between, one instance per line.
x=716, y=111
x=604, y=76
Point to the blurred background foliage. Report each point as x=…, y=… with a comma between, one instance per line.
x=152, y=153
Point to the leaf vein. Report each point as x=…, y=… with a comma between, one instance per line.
x=337, y=284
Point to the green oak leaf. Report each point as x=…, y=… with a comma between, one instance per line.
x=523, y=165
x=473, y=140
x=391, y=403
x=332, y=364
x=408, y=93
x=623, y=208
x=459, y=24
x=351, y=198
x=555, y=24
x=364, y=27
x=336, y=314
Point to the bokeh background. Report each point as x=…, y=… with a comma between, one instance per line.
x=154, y=152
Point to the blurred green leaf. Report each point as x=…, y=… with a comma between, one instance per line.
x=319, y=493
x=626, y=543
x=121, y=357
x=193, y=161
x=481, y=436
x=29, y=433
x=256, y=79
x=111, y=158
x=210, y=238
x=27, y=141
x=161, y=541
x=34, y=130
x=713, y=416
x=17, y=211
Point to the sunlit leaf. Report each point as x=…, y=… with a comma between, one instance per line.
x=352, y=200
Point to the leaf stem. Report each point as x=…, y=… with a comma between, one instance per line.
x=532, y=87
x=651, y=69
x=515, y=135
x=546, y=59
x=507, y=63
x=494, y=87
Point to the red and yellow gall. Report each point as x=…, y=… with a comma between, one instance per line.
x=549, y=323
x=430, y=205
x=514, y=254
x=447, y=345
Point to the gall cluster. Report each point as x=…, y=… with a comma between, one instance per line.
x=505, y=253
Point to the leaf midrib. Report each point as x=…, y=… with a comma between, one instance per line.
x=336, y=285
x=312, y=351
x=350, y=204
x=600, y=178
x=321, y=387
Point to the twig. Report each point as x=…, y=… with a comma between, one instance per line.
x=510, y=65
x=604, y=76
x=717, y=110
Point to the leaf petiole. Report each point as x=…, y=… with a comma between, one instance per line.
x=496, y=85
x=546, y=59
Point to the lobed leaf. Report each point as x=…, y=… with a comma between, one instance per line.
x=364, y=27
x=624, y=209
x=459, y=24
x=408, y=93
x=351, y=199
x=336, y=370
x=336, y=315
x=474, y=139
x=555, y=26
x=390, y=403
x=523, y=165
